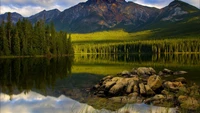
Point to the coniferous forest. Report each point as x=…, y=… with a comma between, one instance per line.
x=27, y=39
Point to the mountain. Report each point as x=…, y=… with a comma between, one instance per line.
x=15, y=17
x=49, y=16
x=175, y=11
x=95, y=15
x=98, y=15
x=176, y=19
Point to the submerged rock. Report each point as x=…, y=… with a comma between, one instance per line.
x=188, y=102
x=180, y=72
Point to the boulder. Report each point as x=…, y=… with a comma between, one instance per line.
x=109, y=84
x=149, y=91
x=180, y=79
x=182, y=98
x=116, y=79
x=125, y=73
x=158, y=97
x=160, y=73
x=145, y=71
x=101, y=94
x=165, y=92
x=116, y=89
x=124, y=99
x=107, y=77
x=188, y=102
x=180, y=72
x=142, y=89
x=130, y=87
x=170, y=97
x=135, y=94
x=167, y=71
x=173, y=85
x=134, y=71
x=136, y=88
x=96, y=86
x=154, y=82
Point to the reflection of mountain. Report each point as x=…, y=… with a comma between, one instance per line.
x=36, y=103
x=28, y=73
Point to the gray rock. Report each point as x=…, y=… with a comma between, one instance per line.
x=173, y=86
x=149, y=91
x=136, y=89
x=125, y=73
x=124, y=99
x=145, y=71
x=180, y=72
x=142, y=89
x=135, y=94
x=154, y=82
x=180, y=79
x=101, y=94
x=165, y=92
x=96, y=86
x=116, y=89
x=107, y=77
x=167, y=71
x=130, y=87
x=158, y=97
x=160, y=73
x=109, y=84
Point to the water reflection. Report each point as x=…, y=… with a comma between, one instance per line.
x=51, y=77
x=28, y=73
x=183, y=59
x=37, y=103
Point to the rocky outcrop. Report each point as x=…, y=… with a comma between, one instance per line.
x=151, y=89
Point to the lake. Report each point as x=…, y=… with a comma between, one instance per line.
x=39, y=85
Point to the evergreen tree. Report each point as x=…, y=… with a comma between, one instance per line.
x=5, y=47
x=16, y=44
x=8, y=29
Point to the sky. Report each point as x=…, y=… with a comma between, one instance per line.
x=30, y=7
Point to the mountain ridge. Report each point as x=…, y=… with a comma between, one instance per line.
x=99, y=15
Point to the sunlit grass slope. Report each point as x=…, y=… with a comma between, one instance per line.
x=123, y=36
x=110, y=36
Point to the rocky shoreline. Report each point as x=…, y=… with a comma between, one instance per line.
x=144, y=85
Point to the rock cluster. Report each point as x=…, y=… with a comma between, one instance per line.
x=143, y=85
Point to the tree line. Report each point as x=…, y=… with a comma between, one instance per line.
x=27, y=39
x=145, y=46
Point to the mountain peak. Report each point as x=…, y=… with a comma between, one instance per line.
x=185, y=6
x=104, y=1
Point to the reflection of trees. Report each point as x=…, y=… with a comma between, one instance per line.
x=184, y=59
x=28, y=73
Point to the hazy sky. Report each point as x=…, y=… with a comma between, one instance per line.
x=30, y=7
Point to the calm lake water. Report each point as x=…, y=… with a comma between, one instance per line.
x=49, y=85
